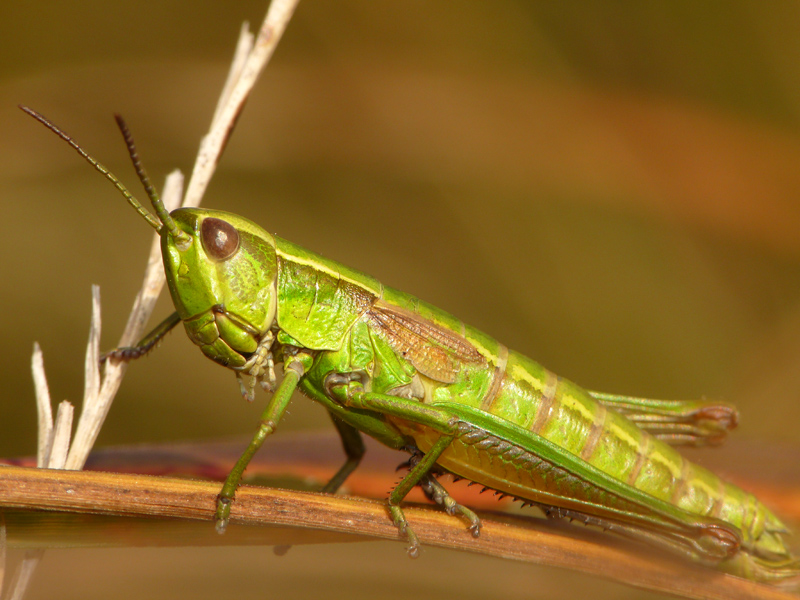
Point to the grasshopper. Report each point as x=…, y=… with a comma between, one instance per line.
x=415, y=378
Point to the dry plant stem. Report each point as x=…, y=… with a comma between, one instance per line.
x=44, y=407
x=248, y=62
x=61, y=435
x=24, y=574
x=99, y=391
x=243, y=75
x=51, y=453
x=243, y=47
x=53, y=442
x=91, y=363
x=529, y=540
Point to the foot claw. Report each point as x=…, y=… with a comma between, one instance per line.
x=223, y=514
x=221, y=525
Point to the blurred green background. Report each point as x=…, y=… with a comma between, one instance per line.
x=609, y=187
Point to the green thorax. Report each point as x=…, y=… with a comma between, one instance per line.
x=319, y=299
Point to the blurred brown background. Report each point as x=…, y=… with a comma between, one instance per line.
x=611, y=187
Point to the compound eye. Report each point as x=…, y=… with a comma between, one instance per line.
x=220, y=238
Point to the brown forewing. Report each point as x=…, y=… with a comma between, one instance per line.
x=433, y=350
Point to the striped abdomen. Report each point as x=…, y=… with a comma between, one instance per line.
x=527, y=395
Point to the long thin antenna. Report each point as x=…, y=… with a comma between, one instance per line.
x=152, y=220
x=182, y=239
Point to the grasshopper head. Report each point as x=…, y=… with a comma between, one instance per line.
x=222, y=278
x=221, y=269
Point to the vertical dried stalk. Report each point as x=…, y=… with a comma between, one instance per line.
x=248, y=63
x=24, y=574
x=54, y=450
x=44, y=408
x=249, y=60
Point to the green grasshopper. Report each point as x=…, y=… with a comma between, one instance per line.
x=415, y=378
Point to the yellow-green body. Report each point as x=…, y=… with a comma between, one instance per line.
x=521, y=429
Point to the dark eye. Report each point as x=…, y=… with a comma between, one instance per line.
x=220, y=239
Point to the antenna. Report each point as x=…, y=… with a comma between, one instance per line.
x=158, y=205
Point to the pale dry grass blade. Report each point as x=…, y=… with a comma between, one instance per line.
x=44, y=408
x=24, y=574
x=243, y=48
x=98, y=399
x=278, y=16
x=61, y=435
x=92, y=360
x=93, y=411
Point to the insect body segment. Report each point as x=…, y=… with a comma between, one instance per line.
x=415, y=378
